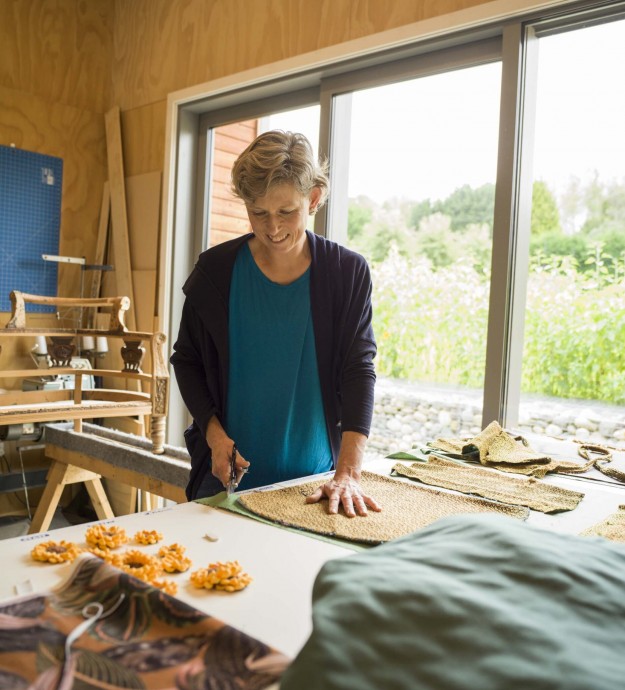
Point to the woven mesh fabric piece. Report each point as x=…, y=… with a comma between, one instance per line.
x=405, y=508
x=449, y=445
x=500, y=450
x=491, y=484
x=612, y=472
x=537, y=470
x=600, y=457
x=540, y=470
x=612, y=528
x=497, y=445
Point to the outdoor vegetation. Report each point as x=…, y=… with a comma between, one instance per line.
x=430, y=262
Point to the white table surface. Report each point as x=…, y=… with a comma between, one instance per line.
x=276, y=607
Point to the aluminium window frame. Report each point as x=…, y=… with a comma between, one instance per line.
x=513, y=199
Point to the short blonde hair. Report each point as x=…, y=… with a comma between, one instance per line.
x=278, y=157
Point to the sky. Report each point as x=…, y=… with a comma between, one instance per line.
x=443, y=131
x=581, y=104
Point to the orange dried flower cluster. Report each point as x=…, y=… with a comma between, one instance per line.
x=176, y=549
x=167, y=586
x=228, y=577
x=148, y=568
x=104, y=554
x=141, y=565
x=106, y=536
x=146, y=537
x=225, y=576
x=55, y=552
x=175, y=563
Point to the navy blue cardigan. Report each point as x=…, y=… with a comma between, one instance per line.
x=340, y=296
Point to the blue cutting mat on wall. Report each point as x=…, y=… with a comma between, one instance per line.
x=30, y=222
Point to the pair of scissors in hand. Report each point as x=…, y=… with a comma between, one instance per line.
x=233, y=482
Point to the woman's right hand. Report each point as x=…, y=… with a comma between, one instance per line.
x=221, y=446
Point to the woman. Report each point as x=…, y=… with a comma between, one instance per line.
x=275, y=350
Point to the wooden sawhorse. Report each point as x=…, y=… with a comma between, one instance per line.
x=97, y=452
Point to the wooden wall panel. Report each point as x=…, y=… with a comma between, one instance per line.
x=218, y=236
x=77, y=136
x=161, y=46
x=143, y=196
x=59, y=50
x=143, y=138
x=222, y=174
x=55, y=83
x=228, y=206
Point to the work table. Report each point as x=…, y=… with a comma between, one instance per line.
x=276, y=607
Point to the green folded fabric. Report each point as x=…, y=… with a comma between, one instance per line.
x=478, y=602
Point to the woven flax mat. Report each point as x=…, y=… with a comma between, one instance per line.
x=405, y=508
x=490, y=484
x=612, y=528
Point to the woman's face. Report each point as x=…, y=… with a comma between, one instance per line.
x=279, y=218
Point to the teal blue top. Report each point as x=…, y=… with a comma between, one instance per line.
x=274, y=410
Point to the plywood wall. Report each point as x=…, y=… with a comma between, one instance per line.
x=162, y=46
x=55, y=83
x=59, y=50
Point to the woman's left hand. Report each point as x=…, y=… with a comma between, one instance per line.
x=346, y=491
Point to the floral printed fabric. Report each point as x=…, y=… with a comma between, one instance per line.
x=148, y=640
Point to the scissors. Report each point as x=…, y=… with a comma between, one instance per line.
x=232, y=482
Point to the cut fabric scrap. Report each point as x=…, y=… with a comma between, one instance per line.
x=484, y=482
x=139, y=637
x=499, y=449
x=453, y=446
x=601, y=461
x=612, y=528
x=539, y=471
x=542, y=470
x=406, y=509
x=494, y=444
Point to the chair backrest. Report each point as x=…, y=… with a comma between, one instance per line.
x=118, y=306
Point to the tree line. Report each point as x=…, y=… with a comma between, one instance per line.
x=585, y=225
